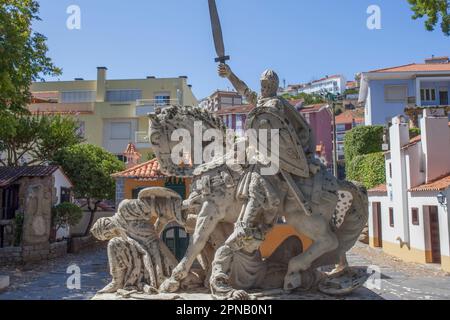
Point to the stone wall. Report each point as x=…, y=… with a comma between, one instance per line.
x=32, y=253
x=10, y=255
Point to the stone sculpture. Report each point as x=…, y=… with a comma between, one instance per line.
x=234, y=206
x=139, y=260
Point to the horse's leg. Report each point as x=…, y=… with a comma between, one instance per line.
x=207, y=220
x=318, y=229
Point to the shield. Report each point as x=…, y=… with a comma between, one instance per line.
x=291, y=155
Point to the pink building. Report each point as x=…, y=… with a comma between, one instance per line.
x=320, y=119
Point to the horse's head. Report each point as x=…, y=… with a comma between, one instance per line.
x=162, y=127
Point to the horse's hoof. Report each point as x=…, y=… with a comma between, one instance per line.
x=169, y=286
x=292, y=281
x=239, y=295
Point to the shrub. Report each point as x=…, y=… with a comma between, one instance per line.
x=369, y=169
x=66, y=214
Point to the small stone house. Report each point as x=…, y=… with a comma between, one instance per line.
x=31, y=191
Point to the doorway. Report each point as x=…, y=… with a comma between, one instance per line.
x=377, y=226
x=433, y=235
x=177, y=240
x=443, y=97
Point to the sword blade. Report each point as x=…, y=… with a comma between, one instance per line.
x=216, y=29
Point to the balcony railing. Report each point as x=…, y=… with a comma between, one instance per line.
x=142, y=137
x=156, y=102
x=64, y=108
x=149, y=106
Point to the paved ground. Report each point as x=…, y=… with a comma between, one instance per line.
x=398, y=280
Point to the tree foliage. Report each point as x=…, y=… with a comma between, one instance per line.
x=435, y=10
x=369, y=169
x=362, y=140
x=34, y=139
x=66, y=214
x=308, y=99
x=23, y=53
x=90, y=167
x=363, y=157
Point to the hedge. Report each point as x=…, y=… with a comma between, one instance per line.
x=362, y=140
x=369, y=169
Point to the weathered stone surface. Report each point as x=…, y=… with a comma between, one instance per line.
x=235, y=205
x=37, y=214
x=4, y=282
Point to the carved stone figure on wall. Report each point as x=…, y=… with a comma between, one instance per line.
x=37, y=215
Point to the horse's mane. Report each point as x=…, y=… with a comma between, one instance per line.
x=181, y=112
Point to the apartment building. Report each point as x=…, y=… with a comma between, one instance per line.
x=388, y=92
x=111, y=113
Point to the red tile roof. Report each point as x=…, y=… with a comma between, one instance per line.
x=313, y=108
x=146, y=170
x=416, y=67
x=131, y=150
x=242, y=109
x=349, y=116
x=439, y=184
x=378, y=189
x=9, y=175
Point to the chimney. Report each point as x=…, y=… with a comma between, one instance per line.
x=101, y=84
x=399, y=133
x=435, y=134
x=437, y=60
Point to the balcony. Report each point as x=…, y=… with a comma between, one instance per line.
x=149, y=106
x=142, y=140
x=62, y=108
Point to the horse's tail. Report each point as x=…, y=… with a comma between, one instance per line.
x=354, y=222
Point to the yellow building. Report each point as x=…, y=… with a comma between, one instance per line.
x=112, y=113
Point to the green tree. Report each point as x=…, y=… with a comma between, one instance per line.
x=23, y=53
x=90, y=167
x=308, y=99
x=66, y=214
x=435, y=11
x=369, y=169
x=34, y=139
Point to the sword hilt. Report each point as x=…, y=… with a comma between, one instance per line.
x=222, y=59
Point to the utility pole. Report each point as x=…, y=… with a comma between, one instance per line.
x=335, y=158
x=333, y=100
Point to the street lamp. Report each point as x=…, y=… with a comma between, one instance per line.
x=442, y=199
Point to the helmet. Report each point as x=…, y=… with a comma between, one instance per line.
x=270, y=75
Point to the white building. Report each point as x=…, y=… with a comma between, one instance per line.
x=410, y=215
x=335, y=84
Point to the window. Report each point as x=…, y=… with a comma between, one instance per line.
x=122, y=158
x=395, y=93
x=162, y=100
x=120, y=131
x=390, y=170
x=78, y=96
x=123, y=95
x=340, y=127
x=428, y=94
x=65, y=195
x=415, y=216
x=391, y=217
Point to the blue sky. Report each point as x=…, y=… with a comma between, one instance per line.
x=300, y=39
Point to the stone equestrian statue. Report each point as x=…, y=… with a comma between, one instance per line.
x=332, y=213
x=233, y=207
